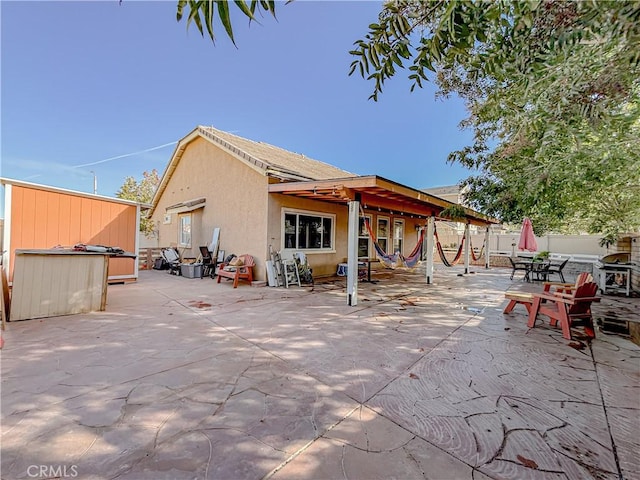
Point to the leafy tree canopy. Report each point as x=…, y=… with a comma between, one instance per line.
x=142, y=192
x=553, y=94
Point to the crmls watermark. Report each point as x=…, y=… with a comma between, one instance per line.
x=52, y=471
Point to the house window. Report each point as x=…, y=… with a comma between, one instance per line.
x=184, y=230
x=398, y=235
x=363, y=237
x=308, y=231
x=382, y=233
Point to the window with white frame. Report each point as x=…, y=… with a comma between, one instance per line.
x=398, y=235
x=363, y=237
x=382, y=233
x=184, y=230
x=308, y=231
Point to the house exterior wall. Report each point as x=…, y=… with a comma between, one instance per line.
x=42, y=219
x=324, y=263
x=236, y=202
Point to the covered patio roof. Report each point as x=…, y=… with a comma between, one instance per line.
x=377, y=193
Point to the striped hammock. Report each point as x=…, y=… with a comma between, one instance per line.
x=456, y=259
x=396, y=259
x=473, y=254
x=444, y=259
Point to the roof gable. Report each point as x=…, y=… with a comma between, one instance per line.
x=276, y=161
x=263, y=157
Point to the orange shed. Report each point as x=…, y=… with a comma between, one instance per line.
x=42, y=217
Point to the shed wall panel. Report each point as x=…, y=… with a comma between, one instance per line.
x=43, y=219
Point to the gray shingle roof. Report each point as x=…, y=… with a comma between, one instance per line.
x=278, y=161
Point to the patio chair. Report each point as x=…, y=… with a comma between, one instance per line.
x=305, y=272
x=208, y=264
x=290, y=269
x=240, y=268
x=526, y=298
x=558, y=287
x=172, y=257
x=519, y=265
x=557, y=269
x=568, y=309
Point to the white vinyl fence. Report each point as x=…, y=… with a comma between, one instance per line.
x=579, y=247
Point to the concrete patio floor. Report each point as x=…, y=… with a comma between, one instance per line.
x=189, y=379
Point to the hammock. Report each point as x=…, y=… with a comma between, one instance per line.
x=473, y=254
x=446, y=262
x=414, y=257
x=391, y=260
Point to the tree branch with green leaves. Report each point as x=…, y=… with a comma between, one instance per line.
x=551, y=87
x=552, y=93
x=202, y=13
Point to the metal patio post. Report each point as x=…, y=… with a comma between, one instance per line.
x=352, y=252
x=486, y=248
x=429, y=271
x=467, y=243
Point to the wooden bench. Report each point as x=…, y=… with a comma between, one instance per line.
x=523, y=298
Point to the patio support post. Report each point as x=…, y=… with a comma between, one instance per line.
x=352, y=252
x=486, y=248
x=467, y=247
x=430, y=228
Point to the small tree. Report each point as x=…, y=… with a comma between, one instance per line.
x=142, y=192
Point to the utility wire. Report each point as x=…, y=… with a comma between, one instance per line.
x=125, y=155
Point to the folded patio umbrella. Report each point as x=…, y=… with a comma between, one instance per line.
x=527, y=238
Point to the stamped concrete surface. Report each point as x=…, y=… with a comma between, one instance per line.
x=189, y=379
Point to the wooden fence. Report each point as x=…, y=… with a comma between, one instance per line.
x=146, y=257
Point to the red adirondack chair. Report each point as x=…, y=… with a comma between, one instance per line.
x=526, y=298
x=555, y=287
x=242, y=270
x=570, y=309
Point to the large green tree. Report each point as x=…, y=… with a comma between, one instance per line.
x=552, y=91
x=142, y=192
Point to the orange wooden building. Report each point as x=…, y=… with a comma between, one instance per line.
x=43, y=217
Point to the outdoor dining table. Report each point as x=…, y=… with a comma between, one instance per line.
x=535, y=270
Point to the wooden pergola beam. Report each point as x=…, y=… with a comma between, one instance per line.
x=377, y=193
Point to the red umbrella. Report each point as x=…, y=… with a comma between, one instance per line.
x=527, y=238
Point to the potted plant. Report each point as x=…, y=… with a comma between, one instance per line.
x=541, y=256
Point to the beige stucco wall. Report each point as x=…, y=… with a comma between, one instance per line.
x=323, y=263
x=236, y=202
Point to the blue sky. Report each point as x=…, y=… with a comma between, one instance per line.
x=86, y=82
